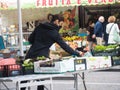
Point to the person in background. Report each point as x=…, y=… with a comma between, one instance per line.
x=2, y=46
x=90, y=32
x=111, y=29
x=118, y=22
x=98, y=30
x=106, y=35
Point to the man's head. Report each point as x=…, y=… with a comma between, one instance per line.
x=57, y=19
x=101, y=19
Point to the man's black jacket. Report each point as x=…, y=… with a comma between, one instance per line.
x=43, y=37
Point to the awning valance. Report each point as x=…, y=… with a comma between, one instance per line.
x=12, y=4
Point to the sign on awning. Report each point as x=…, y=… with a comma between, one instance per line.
x=118, y=1
x=12, y=4
x=54, y=3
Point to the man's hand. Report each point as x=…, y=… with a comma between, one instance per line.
x=81, y=53
x=94, y=36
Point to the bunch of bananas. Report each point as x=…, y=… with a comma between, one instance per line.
x=72, y=38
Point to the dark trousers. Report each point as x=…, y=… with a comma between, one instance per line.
x=41, y=87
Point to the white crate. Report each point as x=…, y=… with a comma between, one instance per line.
x=98, y=62
x=60, y=67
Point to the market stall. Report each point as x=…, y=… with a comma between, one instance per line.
x=78, y=65
x=23, y=4
x=63, y=65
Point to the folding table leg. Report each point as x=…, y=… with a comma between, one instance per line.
x=76, y=81
x=5, y=85
x=17, y=85
x=51, y=84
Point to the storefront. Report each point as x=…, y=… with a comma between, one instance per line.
x=83, y=8
x=93, y=12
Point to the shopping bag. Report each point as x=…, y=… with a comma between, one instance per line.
x=88, y=54
x=116, y=37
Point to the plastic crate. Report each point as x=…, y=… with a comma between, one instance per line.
x=116, y=60
x=28, y=70
x=10, y=70
x=112, y=53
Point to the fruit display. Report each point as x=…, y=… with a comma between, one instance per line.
x=72, y=38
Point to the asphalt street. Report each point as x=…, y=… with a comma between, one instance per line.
x=107, y=79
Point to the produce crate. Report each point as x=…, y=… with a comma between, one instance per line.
x=27, y=66
x=59, y=66
x=98, y=62
x=112, y=53
x=115, y=60
x=10, y=70
x=28, y=70
x=88, y=63
x=110, y=50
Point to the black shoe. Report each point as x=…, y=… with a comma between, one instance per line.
x=23, y=89
x=41, y=87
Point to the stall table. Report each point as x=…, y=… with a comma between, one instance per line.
x=40, y=79
x=32, y=80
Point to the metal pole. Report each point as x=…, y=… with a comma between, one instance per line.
x=20, y=28
x=76, y=81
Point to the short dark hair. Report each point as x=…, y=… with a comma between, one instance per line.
x=52, y=17
x=90, y=22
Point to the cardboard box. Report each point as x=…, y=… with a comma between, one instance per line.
x=99, y=62
x=59, y=66
x=88, y=63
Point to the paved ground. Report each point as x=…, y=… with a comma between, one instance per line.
x=95, y=80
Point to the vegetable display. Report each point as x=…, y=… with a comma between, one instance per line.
x=110, y=50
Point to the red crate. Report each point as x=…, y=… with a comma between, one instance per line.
x=10, y=70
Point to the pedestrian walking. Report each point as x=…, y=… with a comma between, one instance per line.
x=98, y=30
x=113, y=30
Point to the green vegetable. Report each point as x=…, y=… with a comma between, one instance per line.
x=27, y=63
x=102, y=48
x=41, y=58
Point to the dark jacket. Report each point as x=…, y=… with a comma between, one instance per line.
x=43, y=37
x=98, y=29
x=89, y=37
x=105, y=37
